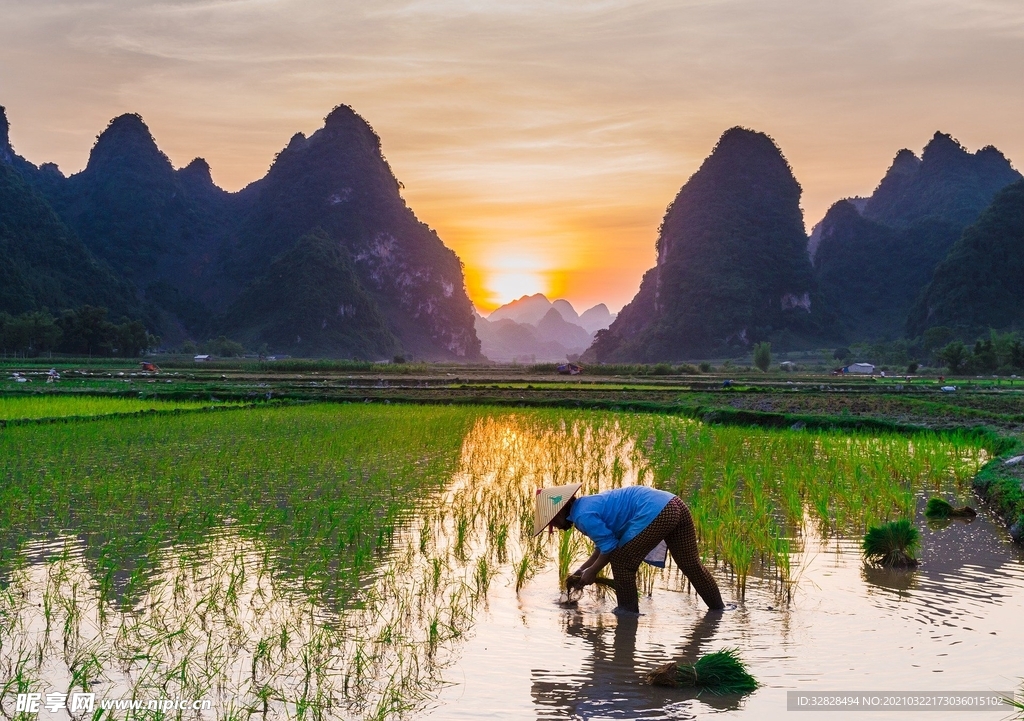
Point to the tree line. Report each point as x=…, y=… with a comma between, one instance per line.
x=999, y=353
x=996, y=352
x=79, y=331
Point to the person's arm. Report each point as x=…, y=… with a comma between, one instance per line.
x=589, y=562
x=598, y=561
x=592, y=525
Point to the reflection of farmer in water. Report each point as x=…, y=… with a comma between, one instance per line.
x=607, y=687
x=626, y=524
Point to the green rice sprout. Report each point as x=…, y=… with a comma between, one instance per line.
x=524, y=571
x=1016, y=704
x=569, y=544
x=645, y=577
x=482, y=577
x=501, y=543
x=721, y=673
x=892, y=544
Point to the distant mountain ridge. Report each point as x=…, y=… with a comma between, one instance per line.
x=947, y=183
x=536, y=329
x=202, y=261
x=874, y=258
x=531, y=308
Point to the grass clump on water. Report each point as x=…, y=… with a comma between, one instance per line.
x=892, y=544
x=721, y=673
x=939, y=508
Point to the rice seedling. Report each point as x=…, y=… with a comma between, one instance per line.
x=721, y=673
x=435, y=567
x=461, y=534
x=483, y=576
x=500, y=543
x=940, y=508
x=1017, y=704
x=645, y=578
x=570, y=546
x=574, y=590
x=892, y=544
x=524, y=572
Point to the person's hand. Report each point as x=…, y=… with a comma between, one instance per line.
x=588, y=578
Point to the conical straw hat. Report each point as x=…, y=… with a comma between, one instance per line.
x=550, y=501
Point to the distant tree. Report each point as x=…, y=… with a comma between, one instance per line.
x=984, y=358
x=224, y=347
x=954, y=356
x=763, y=355
x=842, y=354
x=1003, y=345
x=31, y=333
x=912, y=369
x=87, y=331
x=133, y=340
x=5, y=323
x=705, y=367
x=936, y=338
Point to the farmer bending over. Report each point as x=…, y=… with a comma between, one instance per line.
x=625, y=525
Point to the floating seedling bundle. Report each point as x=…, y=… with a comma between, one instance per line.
x=721, y=673
x=939, y=508
x=892, y=544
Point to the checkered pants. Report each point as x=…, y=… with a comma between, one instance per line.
x=674, y=525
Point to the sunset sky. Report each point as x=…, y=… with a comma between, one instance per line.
x=542, y=140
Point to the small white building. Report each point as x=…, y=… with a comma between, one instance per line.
x=863, y=368
x=201, y=358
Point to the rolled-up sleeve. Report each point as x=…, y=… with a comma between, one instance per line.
x=593, y=526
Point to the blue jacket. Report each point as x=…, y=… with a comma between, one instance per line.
x=613, y=518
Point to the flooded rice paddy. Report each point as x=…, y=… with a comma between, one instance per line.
x=376, y=562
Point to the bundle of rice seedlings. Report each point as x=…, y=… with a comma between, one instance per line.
x=892, y=544
x=939, y=508
x=574, y=580
x=574, y=590
x=721, y=672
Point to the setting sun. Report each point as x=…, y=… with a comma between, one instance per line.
x=512, y=273
x=507, y=286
